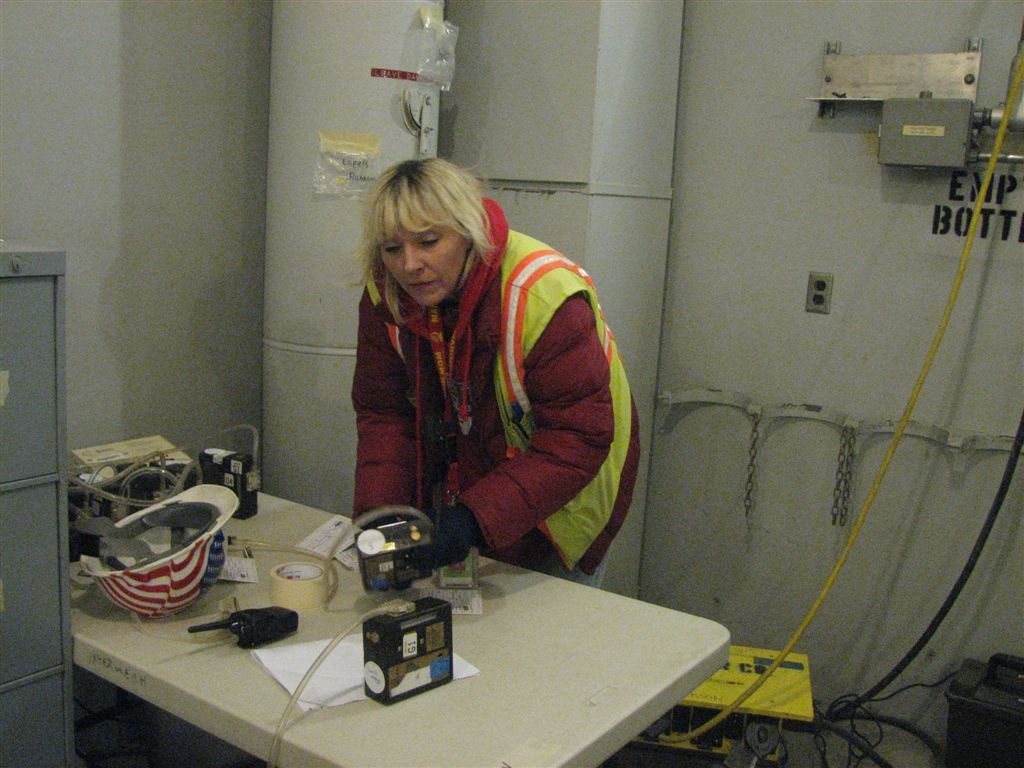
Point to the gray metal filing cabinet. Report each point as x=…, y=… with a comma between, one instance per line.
x=36, y=712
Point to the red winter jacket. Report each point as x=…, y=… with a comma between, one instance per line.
x=401, y=458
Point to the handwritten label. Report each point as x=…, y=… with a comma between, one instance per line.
x=116, y=671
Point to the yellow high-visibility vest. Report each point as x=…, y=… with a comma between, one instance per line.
x=536, y=281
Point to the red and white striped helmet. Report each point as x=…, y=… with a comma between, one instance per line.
x=171, y=577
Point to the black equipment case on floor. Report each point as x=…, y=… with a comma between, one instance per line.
x=985, y=728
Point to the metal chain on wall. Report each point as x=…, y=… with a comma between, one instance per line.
x=844, y=475
x=762, y=416
x=748, y=494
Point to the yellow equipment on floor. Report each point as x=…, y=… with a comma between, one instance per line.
x=755, y=727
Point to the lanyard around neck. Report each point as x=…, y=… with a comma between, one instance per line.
x=444, y=360
x=444, y=355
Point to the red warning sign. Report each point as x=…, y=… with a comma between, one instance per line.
x=393, y=74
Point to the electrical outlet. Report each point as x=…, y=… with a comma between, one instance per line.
x=819, y=292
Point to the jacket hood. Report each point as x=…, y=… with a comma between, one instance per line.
x=498, y=227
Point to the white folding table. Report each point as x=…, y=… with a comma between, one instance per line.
x=568, y=674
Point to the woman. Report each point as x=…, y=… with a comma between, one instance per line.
x=487, y=389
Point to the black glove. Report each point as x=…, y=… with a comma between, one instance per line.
x=455, y=531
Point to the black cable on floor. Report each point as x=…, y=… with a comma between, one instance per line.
x=862, y=713
x=854, y=740
x=922, y=735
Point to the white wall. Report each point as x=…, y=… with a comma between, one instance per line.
x=134, y=136
x=767, y=191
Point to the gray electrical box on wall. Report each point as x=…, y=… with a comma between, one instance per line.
x=925, y=132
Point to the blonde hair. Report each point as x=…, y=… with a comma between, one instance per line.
x=416, y=195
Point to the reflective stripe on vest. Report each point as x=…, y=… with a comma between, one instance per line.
x=515, y=290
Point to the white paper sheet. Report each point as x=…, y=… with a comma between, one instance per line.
x=339, y=680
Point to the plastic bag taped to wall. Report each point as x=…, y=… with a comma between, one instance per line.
x=346, y=163
x=437, y=47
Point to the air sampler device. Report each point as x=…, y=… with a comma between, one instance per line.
x=385, y=550
x=407, y=651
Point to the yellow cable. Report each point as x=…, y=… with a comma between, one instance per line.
x=897, y=435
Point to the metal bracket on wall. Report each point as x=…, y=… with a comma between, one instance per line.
x=694, y=398
x=873, y=78
x=420, y=110
x=681, y=402
x=853, y=434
